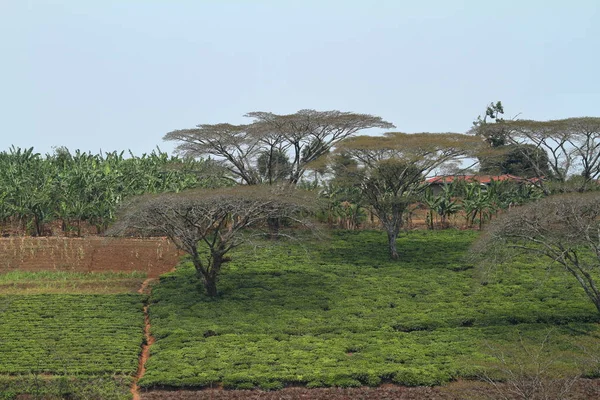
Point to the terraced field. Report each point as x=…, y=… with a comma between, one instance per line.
x=68, y=338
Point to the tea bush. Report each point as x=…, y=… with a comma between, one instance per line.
x=65, y=387
x=340, y=313
x=77, y=334
x=64, y=342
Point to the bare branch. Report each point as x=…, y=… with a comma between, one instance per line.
x=304, y=137
x=565, y=229
x=218, y=218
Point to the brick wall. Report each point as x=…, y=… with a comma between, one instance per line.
x=89, y=254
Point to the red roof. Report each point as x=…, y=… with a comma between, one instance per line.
x=484, y=179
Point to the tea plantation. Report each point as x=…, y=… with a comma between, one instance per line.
x=68, y=343
x=338, y=313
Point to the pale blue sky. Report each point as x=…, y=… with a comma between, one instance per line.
x=120, y=74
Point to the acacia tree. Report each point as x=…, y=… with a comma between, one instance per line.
x=503, y=155
x=232, y=144
x=303, y=137
x=548, y=136
x=565, y=229
x=208, y=223
x=569, y=145
x=392, y=168
x=586, y=144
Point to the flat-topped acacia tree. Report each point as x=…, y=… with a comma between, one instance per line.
x=391, y=169
x=208, y=223
x=253, y=152
x=571, y=146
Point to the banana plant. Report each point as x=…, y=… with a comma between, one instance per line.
x=431, y=202
x=478, y=202
x=84, y=188
x=447, y=205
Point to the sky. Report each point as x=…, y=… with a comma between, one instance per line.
x=116, y=75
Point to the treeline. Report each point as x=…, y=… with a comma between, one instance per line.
x=84, y=189
x=365, y=178
x=461, y=203
x=383, y=175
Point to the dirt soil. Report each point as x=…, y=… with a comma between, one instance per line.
x=585, y=389
x=89, y=254
x=148, y=341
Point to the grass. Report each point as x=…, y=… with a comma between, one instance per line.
x=63, y=336
x=339, y=313
x=53, y=276
x=62, y=282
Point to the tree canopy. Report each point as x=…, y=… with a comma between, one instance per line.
x=208, y=223
x=572, y=146
x=525, y=160
x=391, y=169
x=503, y=155
x=250, y=151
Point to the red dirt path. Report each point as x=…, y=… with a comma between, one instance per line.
x=148, y=341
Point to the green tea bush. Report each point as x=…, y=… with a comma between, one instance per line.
x=65, y=345
x=106, y=387
x=79, y=334
x=340, y=313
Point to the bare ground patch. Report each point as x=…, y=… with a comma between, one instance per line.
x=583, y=390
x=89, y=254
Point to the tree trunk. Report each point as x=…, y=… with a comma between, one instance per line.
x=209, y=280
x=273, y=224
x=208, y=277
x=210, y=284
x=597, y=303
x=392, y=236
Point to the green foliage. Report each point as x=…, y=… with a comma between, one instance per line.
x=273, y=166
x=77, y=346
x=446, y=204
x=525, y=160
x=343, y=314
x=478, y=202
x=73, y=188
x=105, y=387
x=63, y=282
x=17, y=276
x=345, y=208
x=76, y=334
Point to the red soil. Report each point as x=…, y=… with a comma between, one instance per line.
x=583, y=390
x=90, y=254
x=148, y=341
